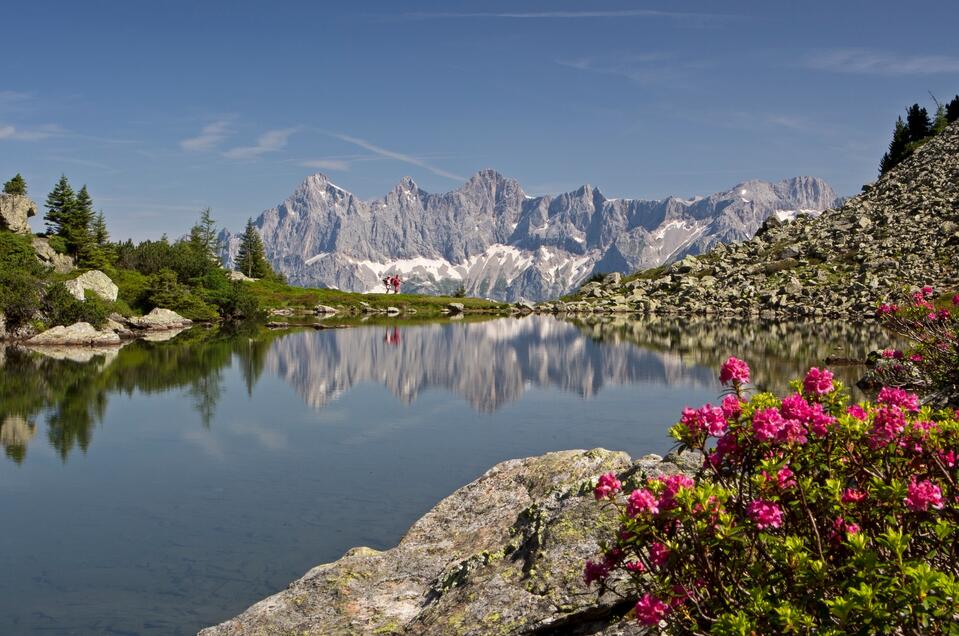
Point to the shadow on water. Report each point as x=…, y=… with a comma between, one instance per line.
x=489, y=363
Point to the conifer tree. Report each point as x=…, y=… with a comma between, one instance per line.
x=206, y=229
x=251, y=259
x=952, y=110
x=60, y=203
x=99, y=230
x=898, y=147
x=16, y=185
x=917, y=120
x=78, y=224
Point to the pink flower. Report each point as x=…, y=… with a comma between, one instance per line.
x=923, y=495
x=732, y=407
x=673, y=484
x=899, y=397
x=707, y=418
x=784, y=478
x=955, y=299
x=650, y=610
x=641, y=501
x=857, y=412
x=852, y=495
x=889, y=423
x=917, y=358
x=818, y=382
x=842, y=529
x=927, y=291
x=765, y=514
x=734, y=370
x=795, y=407
x=892, y=354
x=948, y=458
x=634, y=566
x=792, y=432
x=607, y=486
x=820, y=420
x=658, y=554
x=595, y=572
x=767, y=423
x=885, y=309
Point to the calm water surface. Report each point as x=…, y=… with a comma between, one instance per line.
x=165, y=486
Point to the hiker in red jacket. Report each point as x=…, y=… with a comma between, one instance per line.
x=396, y=284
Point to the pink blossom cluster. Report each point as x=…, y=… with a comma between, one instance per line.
x=642, y=501
x=858, y=412
x=888, y=424
x=707, y=418
x=886, y=309
x=651, y=610
x=853, y=495
x=765, y=514
x=734, y=371
x=595, y=571
x=893, y=396
x=841, y=529
x=607, y=486
x=671, y=486
x=818, y=381
x=923, y=495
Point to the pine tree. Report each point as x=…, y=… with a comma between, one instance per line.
x=251, y=259
x=60, y=203
x=207, y=234
x=78, y=224
x=99, y=230
x=917, y=120
x=952, y=110
x=16, y=185
x=898, y=148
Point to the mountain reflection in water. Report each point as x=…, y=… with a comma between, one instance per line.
x=488, y=363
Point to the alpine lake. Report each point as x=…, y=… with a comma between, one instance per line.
x=166, y=485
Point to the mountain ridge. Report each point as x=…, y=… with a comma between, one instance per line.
x=495, y=240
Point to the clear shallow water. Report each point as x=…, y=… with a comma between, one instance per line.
x=166, y=486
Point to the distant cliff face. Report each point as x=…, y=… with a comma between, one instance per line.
x=496, y=241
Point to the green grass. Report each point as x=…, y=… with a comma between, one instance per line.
x=274, y=295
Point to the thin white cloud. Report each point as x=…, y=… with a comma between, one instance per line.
x=646, y=68
x=398, y=156
x=327, y=164
x=564, y=15
x=37, y=133
x=270, y=141
x=210, y=136
x=868, y=62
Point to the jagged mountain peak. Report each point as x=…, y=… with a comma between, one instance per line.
x=491, y=238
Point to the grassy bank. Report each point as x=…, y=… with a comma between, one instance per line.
x=277, y=295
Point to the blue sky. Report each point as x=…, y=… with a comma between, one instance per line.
x=165, y=107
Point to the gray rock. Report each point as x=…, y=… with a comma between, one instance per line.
x=160, y=320
x=97, y=282
x=77, y=334
x=15, y=210
x=324, y=310
x=455, y=308
x=61, y=263
x=239, y=276
x=504, y=554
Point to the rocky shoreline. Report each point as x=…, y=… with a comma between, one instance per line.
x=502, y=555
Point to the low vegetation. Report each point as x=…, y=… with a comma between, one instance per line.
x=810, y=515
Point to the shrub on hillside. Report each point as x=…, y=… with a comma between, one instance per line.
x=60, y=307
x=930, y=363
x=163, y=290
x=810, y=515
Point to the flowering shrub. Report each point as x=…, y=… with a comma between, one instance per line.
x=809, y=515
x=931, y=363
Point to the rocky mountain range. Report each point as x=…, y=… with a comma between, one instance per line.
x=496, y=241
x=902, y=231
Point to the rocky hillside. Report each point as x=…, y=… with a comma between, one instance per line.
x=902, y=230
x=502, y=555
x=498, y=242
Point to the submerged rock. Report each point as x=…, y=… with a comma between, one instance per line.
x=503, y=554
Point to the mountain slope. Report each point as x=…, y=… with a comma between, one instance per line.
x=496, y=241
x=902, y=230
